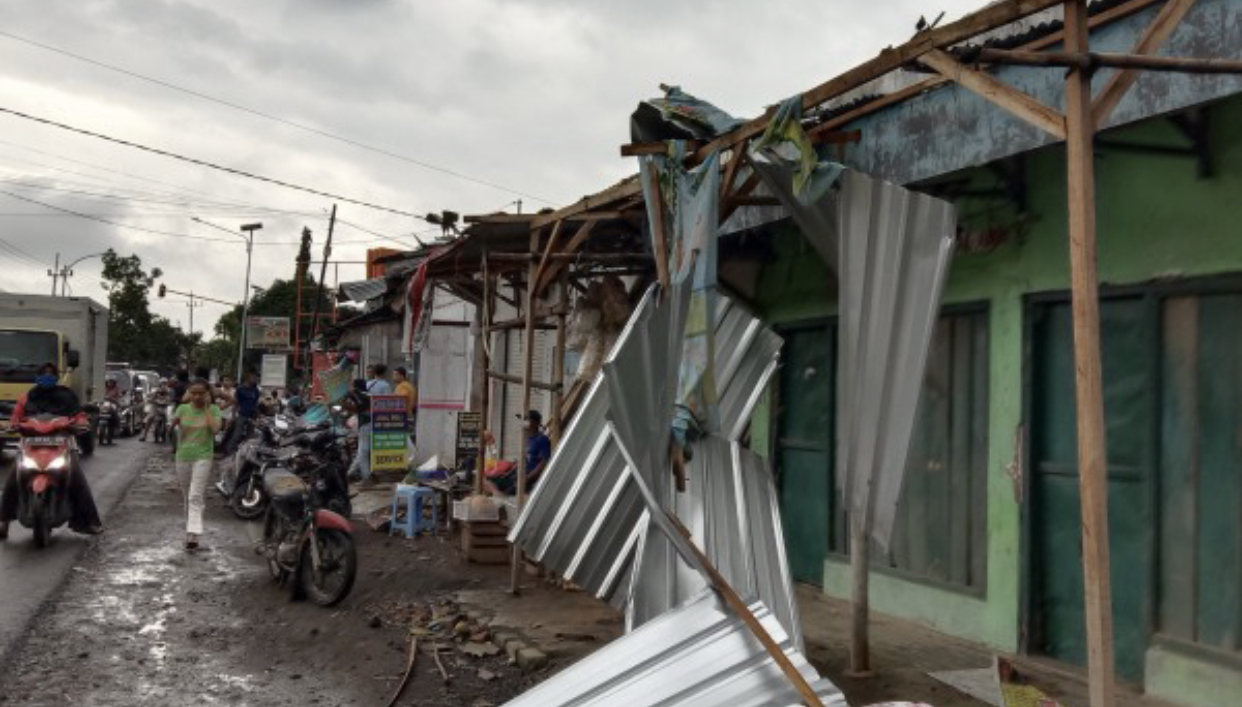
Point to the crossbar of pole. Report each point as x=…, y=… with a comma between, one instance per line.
x=1090, y=61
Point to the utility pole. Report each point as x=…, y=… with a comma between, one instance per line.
x=192, y=304
x=55, y=273
x=323, y=272
x=67, y=271
x=249, y=230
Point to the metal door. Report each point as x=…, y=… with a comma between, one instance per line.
x=806, y=426
x=1130, y=360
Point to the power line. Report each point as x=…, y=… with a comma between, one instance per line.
x=153, y=231
x=276, y=118
x=198, y=206
x=212, y=165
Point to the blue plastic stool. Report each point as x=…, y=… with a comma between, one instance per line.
x=414, y=497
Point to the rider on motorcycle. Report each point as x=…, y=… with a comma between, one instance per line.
x=48, y=397
x=159, y=399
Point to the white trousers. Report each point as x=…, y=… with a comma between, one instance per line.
x=193, y=477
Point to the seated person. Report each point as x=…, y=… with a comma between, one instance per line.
x=538, y=452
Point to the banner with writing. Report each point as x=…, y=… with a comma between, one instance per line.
x=389, y=433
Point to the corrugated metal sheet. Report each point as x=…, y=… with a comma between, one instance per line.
x=895, y=250
x=587, y=518
x=363, y=290
x=699, y=655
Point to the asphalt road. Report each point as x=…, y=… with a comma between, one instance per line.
x=29, y=577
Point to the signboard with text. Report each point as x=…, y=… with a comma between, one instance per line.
x=389, y=433
x=469, y=436
x=272, y=372
x=271, y=333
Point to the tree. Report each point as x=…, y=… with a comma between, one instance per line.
x=278, y=300
x=134, y=334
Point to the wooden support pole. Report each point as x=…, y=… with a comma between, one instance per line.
x=558, y=363
x=557, y=265
x=1119, y=83
x=547, y=253
x=528, y=364
x=485, y=341
x=1091, y=61
x=658, y=237
x=731, y=599
x=860, y=591
x=997, y=92
x=1088, y=386
x=519, y=380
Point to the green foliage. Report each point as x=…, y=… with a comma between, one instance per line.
x=134, y=333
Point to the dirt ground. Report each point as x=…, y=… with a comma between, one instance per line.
x=143, y=622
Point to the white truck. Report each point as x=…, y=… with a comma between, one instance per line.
x=71, y=332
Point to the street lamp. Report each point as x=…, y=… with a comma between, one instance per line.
x=65, y=271
x=249, y=230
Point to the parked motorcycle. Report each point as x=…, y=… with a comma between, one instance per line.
x=109, y=422
x=315, y=453
x=46, y=454
x=158, y=415
x=307, y=547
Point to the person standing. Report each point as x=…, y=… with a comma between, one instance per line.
x=378, y=383
x=406, y=390
x=197, y=422
x=245, y=409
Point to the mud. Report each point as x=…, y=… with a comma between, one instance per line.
x=143, y=622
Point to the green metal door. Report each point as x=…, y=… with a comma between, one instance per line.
x=804, y=448
x=1130, y=374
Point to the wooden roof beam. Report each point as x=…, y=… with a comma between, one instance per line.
x=1169, y=17
x=997, y=92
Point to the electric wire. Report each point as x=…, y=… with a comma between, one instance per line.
x=211, y=165
x=269, y=116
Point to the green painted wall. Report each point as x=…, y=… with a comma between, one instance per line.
x=1155, y=220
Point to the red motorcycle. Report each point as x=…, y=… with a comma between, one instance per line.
x=47, y=453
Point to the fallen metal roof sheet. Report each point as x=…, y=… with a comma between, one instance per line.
x=363, y=290
x=588, y=521
x=699, y=655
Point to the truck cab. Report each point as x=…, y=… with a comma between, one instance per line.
x=71, y=332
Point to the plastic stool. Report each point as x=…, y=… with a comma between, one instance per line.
x=414, y=497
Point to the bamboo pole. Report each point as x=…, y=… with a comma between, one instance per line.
x=1088, y=387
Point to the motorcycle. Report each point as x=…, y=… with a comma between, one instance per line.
x=314, y=453
x=158, y=414
x=128, y=423
x=109, y=422
x=307, y=546
x=46, y=454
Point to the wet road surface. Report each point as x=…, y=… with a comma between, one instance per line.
x=29, y=577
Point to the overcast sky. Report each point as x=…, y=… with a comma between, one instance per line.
x=532, y=95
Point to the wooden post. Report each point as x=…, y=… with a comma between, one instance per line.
x=860, y=598
x=558, y=363
x=485, y=343
x=528, y=364
x=1092, y=455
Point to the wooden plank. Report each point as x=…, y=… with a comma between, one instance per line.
x=658, y=236
x=1088, y=388
x=575, y=243
x=528, y=364
x=519, y=380
x=739, y=607
x=653, y=148
x=558, y=365
x=547, y=252
x=990, y=17
x=1179, y=466
x=628, y=187
x=1149, y=43
x=730, y=175
x=997, y=92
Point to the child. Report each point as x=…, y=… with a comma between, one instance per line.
x=198, y=421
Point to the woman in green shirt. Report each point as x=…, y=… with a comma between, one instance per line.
x=197, y=421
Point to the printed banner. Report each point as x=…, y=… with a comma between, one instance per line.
x=267, y=333
x=272, y=373
x=389, y=433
